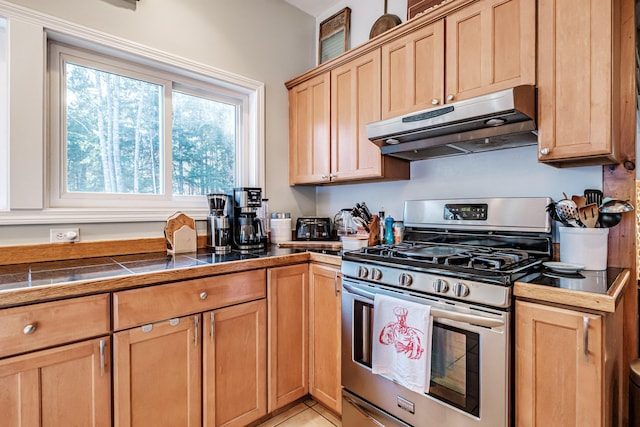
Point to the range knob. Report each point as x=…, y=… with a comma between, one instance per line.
x=376, y=274
x=405, y=280
x=441, y=286
x=363, y=272
x=460, y=289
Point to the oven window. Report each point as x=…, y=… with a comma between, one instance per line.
x=455, y=367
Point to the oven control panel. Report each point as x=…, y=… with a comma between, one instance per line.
x=466, y=212
x=434, y=284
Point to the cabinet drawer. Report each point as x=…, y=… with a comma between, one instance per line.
x=155, y=303
x=36, y=326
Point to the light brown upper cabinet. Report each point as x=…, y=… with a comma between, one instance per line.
x=413, y=71
x=484, y=47
x=578, y=60
x=327, y=119
x=490, y=46
x=309, y=131
x=355, y=101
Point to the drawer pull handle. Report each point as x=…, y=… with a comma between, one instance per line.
x=195, y=335
x=203, y=295
x=213, y=326
x=585, y=337
x=102, y=358
x=29, y=329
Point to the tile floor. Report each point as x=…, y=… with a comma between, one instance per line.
x=307, y=414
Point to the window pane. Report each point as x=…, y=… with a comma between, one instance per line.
x=204, y=145
x=4, y=103
x=114, y=133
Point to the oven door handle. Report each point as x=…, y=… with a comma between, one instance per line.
x=363, y=412
x=471, y=319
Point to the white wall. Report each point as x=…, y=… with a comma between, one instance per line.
x=505, y=173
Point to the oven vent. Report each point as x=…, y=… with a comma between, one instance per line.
x=504, y=119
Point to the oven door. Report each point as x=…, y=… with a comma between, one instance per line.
x=470, y=361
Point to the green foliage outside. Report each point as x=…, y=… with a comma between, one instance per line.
x=115, y=137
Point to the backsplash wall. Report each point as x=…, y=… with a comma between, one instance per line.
x=505, y=173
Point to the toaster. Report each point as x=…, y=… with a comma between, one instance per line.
x=313, y=228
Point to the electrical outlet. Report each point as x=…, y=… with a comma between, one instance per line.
x=64, y=235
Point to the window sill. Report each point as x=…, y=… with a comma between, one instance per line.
x=85, y=216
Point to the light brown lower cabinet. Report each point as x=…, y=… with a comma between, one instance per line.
x=68, y=385
x=157, y=375
x=288, y=296
x=324, y=333
x=568, y=367
x=235, y=364
x=206, y=369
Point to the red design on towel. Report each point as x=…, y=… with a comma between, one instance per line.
x=404, y=338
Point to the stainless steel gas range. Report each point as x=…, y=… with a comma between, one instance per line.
x=460, y=257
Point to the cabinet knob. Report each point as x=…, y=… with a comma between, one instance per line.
x=450, y=97
x=29, y=329
x=332, y=175
x=435, y=101
x=544, y=151
x=324, y=177
x=203, y=295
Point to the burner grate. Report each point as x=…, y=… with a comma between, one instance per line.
x=470, y=257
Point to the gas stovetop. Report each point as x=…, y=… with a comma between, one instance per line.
x=497, y=266
x=460, y=248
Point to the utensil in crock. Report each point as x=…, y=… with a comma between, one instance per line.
x=580, y=201
x=615, y=206
x=608, y=220
x=593, y=196
x=568, y=212
x=589, y=215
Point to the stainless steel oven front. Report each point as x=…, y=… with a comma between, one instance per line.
x=470, y=360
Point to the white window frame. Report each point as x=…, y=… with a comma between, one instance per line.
x=4, y=114
x=30, y=195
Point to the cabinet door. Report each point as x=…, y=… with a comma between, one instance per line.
x=575, y=71
x=309, y=131
x=157, y=374
x=288, y=308
x=324, y=333
x=355, y=101
x=235, y=364
x=413, y=71
x=490, y=46
x=63, y=386
x=559, y=363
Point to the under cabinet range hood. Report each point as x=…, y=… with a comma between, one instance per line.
x=504, y=119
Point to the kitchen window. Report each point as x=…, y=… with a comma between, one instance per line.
x=199, y=129
x=126, y=134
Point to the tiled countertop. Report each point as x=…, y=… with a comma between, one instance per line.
x=29, y=283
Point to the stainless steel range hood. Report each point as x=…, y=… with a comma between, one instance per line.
x=504, y=119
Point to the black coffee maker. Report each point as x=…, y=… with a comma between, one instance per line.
x=248, y=231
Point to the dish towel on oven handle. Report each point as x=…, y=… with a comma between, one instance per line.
x=402, y=342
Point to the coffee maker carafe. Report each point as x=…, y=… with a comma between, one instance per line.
x=218, y=225
x=248, y=232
